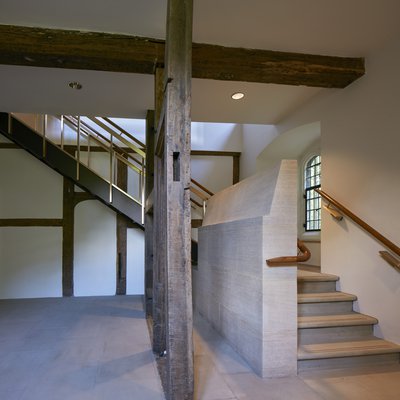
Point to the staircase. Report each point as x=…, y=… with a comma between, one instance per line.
x=330, y=333
x=71, y=158
x=66, y=163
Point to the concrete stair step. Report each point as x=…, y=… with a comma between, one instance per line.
x=323, y=321
x=335, y=334
x=314, y=282
x=346, y=349
x=305, y=298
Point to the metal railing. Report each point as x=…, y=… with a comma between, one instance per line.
x=81, y=137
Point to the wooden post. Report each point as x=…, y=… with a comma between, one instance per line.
x=68, y=238
x=148, y=217
x=121, y=254
x=122, y=226
x=177, y=172
x=236, y=169
x=159, y=222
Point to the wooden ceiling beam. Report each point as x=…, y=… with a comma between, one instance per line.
x=55, y=48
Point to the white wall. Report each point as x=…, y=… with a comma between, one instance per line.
x=360, y=145
x=254, y=139
x=216, y=136
x=214, y=172
x=29, y=189
x=94, y=250
x=30, y=262
x=30, y=257
x=135, y=262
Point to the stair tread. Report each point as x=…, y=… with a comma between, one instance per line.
x=325, y=297
x=322, y=321
x=346, y=349
x=308, y=276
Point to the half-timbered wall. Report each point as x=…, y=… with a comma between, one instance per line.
x=31, y=256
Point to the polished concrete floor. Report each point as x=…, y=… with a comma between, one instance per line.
x=98, y=348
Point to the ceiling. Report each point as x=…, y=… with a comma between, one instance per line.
x=353, y=28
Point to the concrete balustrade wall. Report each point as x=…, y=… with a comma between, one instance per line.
x=252, y=305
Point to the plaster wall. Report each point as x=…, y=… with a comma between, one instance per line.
x=30, y=262
x=254, y=139
x=31, y=257
x=252, y=305
x=361, y=165
x=94, y=250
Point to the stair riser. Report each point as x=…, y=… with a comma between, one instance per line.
x=340, y=307
x=349, y=362
x=316, y=287
x=334, y=334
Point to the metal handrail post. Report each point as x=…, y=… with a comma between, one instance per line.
x=78, y=147
x=62, y=131
x=44, y=127
x=111, y=168
x=142, y=177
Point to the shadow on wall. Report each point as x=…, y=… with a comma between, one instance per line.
x=300, y=144
x=289, y=145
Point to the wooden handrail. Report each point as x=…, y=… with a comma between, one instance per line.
x=291, y=260
x=392, y=260
x=204, y=189
x=199, y=193
x=385, y=241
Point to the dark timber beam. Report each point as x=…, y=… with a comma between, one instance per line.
x=31, y=222
x=55, y=48
x=68, y=238
x=148, y=217
x=177, y=105
x=122, y=233
x=159, y=229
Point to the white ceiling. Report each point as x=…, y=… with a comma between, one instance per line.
x=340, y=27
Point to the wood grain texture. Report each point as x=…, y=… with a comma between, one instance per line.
x=31, y=222
x=148, y=217
x=324, y=321
x=236, y=169
x=180, y=371
x=159, y=229
x=55, y=48
x=68, y=239
x=214, y=153
x=121, y=256
x=346, y=349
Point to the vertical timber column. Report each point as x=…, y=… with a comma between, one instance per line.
x=68, y=238
x=122, y=227
x=177, y=172
x=148, y=217
x=159, y=223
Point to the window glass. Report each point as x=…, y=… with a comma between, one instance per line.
x=312, y=180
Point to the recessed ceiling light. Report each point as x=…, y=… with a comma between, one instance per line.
x=75, y=85
x=237, y=96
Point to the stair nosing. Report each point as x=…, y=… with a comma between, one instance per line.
x=335, y=320
x=316, y=277
x=331, y=297
x=354, y=349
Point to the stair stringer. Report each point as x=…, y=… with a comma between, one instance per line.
x=66, y=165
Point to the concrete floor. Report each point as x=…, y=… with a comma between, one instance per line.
x=98, y=348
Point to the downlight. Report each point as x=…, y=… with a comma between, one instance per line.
x=237, y=96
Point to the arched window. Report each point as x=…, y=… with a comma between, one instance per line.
x=312, y=180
